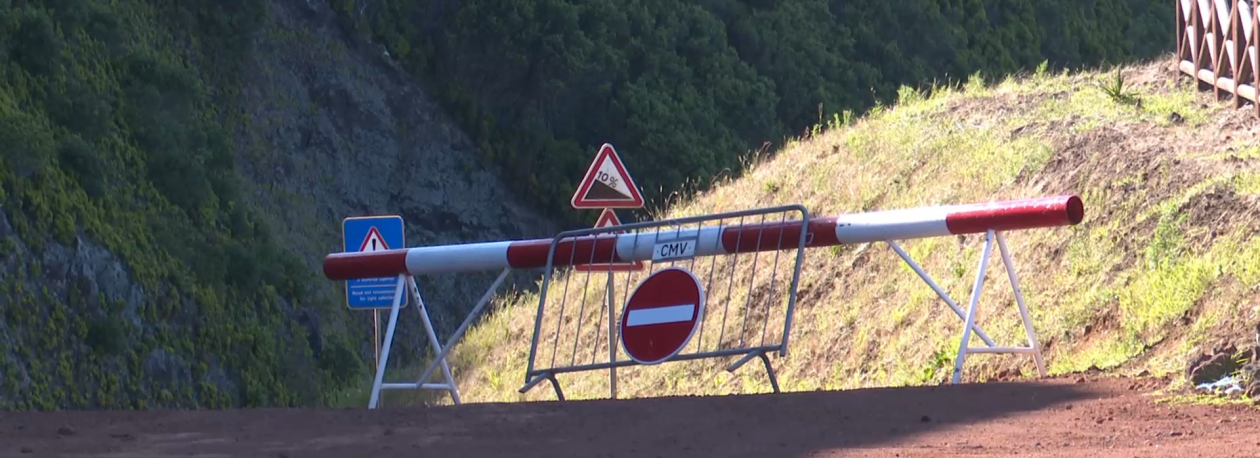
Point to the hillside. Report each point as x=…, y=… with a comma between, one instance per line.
x=1166, y=260
x=171, y=173
x=691, y=86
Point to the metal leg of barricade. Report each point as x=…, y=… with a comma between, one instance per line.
x=940, y=292
x=389, y=341
x=1033, y=346
x=530, y=383
x=437, y=346
x=975, y=302
x=463, y=327
x=555, y=384
x=774, y=381
x=765, y=360
x=409, y=282
x=969, y=317
x=441, y=351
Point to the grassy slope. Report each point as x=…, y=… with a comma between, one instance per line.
x=1165, y=260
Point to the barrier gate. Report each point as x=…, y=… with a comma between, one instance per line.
x=738, y=259
x=748, y=281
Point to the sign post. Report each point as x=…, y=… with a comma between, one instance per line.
x=607, y=185
x=661, y=315
x=367, y=234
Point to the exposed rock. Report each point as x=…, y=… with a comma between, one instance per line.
x=1207, y=368
x=338, y=130
x=1250, y=376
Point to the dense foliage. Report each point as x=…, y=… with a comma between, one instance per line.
x=113, y=128
x=683, y=89
x=116, y=120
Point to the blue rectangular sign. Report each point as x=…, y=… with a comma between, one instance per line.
x=372, y=233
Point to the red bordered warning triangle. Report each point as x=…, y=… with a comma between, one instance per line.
x=607, y=184
x=607, y=219
x=373, y=241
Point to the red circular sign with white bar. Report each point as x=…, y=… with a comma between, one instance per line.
x=661, y=315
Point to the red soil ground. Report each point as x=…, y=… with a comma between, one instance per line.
x=1097, y=418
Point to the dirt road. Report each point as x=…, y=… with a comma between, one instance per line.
x=1058, y=418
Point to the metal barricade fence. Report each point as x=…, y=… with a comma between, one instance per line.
x=749, y=264
x=740, y=258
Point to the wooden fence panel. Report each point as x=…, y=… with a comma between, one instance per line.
x=1217, y=45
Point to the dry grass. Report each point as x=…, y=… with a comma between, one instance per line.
x=1165, y=260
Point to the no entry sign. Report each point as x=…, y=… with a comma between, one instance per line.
x=661, y=315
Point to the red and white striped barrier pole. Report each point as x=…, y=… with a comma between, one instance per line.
x=879, y=226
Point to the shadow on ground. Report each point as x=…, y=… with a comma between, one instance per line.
x=790, y=424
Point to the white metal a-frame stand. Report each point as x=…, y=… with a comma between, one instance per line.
x=409, y=283
x=969, y=318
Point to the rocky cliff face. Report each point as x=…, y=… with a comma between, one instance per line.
x=339, y=130
x=336, y=129
x=327, y=128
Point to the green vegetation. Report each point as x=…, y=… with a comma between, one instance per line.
x=1166, y=259
x=117, y=120
x=113, y=117
x=685, y=89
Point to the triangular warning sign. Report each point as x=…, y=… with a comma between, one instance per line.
x=607, y=219
x=607, y=184
x=374, y=241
